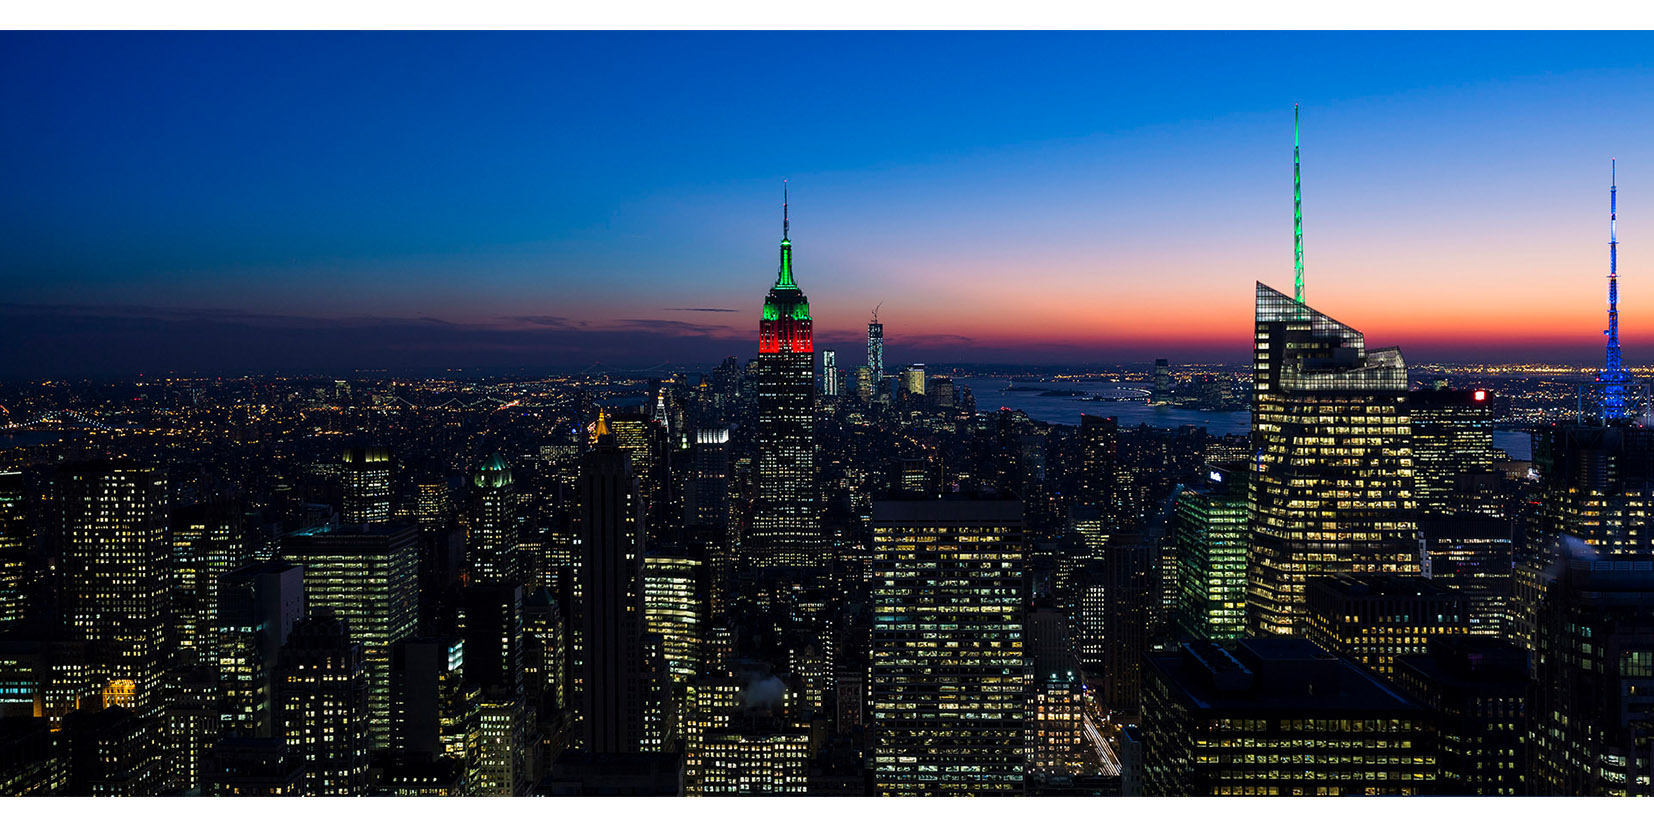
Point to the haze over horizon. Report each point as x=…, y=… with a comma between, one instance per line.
x=260, y=201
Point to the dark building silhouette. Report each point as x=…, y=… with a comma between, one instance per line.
x=608, y=602
x=322, y=697
x=1478, y=688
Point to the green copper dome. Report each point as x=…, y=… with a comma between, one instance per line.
x=493, y=474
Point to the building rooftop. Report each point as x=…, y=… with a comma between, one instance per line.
x=1272, y=675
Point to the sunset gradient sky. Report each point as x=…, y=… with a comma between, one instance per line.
x=224, y=201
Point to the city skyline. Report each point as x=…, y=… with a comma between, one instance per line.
x=367, y=207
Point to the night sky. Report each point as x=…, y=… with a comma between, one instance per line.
x=229, y=202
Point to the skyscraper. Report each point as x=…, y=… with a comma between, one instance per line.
x=709, y=491
x=369, y=576
x=1453, y=452
x=114, y=536
x=949, y=673
x=367, y=485
x=493, y=544
x=1331, y=484
x=786, y=522
x=875, y=350
x=14, y=549
x=1209, y=530
x=608, y=611
x=829, y=373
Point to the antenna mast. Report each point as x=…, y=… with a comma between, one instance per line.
x=1614, y=377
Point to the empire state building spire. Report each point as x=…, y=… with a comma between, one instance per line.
x=784, y=280
x=786, y=523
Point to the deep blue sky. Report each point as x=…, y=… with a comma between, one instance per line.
x=541, y=198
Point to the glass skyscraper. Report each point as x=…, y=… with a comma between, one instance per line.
x=1331, y=484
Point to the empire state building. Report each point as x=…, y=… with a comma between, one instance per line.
x=786, y=523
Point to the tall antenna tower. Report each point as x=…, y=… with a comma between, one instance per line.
x=1297, y=216
x=1614, y=377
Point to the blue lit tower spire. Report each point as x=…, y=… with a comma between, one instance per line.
x=1297, y=216
x=1613, y=376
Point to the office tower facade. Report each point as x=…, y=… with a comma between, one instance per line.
x=322, y=695
x=949, y=674
x=608, y=603
x=676, y=606
x=545, y=653
x=709, y=493
x=367, y=574
x=114, y=549
x=866, y=385
x=432, y=503
x=258, y=604
x=786, y=520
x=1453, y=452
x=1373, y=619
x=14, y=549
x=1478, y=689
x=1592, y=721
x=1331, y=485
x=366, y=481
x=829, y=373
x=913, y=382
x=492, y=544
x=1474, y=555
x=1210, y=537
x=1278, y=717
x=207, y=543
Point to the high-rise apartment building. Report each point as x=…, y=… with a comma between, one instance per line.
x=114, y=549
x=949, y=674
x=368, y=574
x=1331, y=481
x=786, y=520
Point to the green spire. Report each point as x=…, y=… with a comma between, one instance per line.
x=1297, y=216
x=784, y=281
